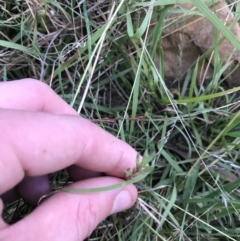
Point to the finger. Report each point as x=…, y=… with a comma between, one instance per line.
x=36, y=143
x=77, y=173
x=67, y=216
x=10, y=195
x=32, y=95
x=31, y=189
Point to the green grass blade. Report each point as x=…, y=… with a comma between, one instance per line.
x=10, y=45
x=202, y=98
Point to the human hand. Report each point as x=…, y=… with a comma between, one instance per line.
x=41, y=134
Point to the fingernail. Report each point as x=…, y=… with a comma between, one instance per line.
x=122, y=202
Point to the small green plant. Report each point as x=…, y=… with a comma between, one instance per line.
x=132, y=176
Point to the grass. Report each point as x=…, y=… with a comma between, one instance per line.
x=99, y=57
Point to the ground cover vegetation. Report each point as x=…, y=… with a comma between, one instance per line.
x=99, y=56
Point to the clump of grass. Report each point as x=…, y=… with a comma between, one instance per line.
x=99, y=56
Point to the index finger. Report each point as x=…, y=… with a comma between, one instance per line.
x=37, y=143
x=32, y=95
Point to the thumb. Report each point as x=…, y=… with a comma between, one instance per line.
x=69, y=216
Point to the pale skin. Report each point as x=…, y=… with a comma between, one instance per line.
x=41, y=134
